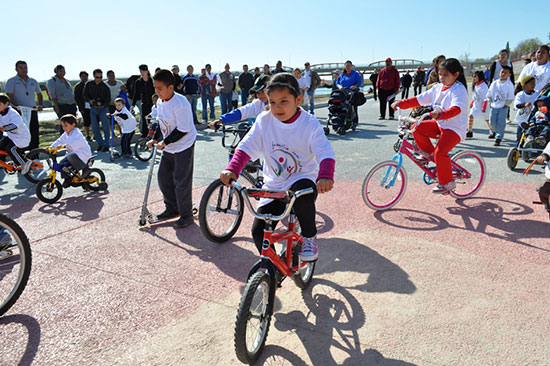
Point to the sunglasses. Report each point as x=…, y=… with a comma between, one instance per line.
x=99, y=77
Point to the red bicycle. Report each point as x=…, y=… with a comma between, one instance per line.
x=256, y=306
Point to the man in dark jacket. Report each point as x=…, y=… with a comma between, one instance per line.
x=418, y=80
x=388, y=86
x=178, y=80
x=406, y=81
x=81, y=102
x=373, y=79
x=191, y=90
x=98, y=94
x=246, y=81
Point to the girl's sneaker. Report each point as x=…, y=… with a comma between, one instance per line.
x=444, y=188
x=309, y=249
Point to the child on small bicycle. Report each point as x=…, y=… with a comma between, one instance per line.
x=17, y=133
x=127, y=122
x=250, y=110
x=544, y=189
x=78, y=150
x=450, y=100
x=293, y=145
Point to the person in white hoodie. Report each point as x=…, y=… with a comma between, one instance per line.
x=78, y=150
x=127, y=123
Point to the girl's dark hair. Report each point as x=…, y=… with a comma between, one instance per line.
x=4, y=99
x=480, y=76
x=57, y=68
x=68, y=118
x=283, y=80
x=454, y=66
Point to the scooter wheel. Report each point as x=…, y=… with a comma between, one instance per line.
x=142, y=222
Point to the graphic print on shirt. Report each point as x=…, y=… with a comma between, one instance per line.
x=498, y=97
x=164, y=127
x=284, y=161
x=525, y=111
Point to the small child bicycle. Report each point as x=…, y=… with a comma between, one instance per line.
x=258, y=298
x=50, y=190
x=385, y=183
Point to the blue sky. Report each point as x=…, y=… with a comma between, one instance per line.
x=121, y=34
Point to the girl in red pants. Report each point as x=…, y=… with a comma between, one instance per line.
x=450, y=119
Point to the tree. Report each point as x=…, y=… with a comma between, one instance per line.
x=525, y=47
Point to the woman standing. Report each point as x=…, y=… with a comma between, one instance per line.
x=350, y=80
x=496, y=66
x=144, y=90
x=61, y=94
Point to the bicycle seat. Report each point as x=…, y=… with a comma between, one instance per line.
x=262, y=193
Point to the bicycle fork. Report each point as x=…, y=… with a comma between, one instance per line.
x=398, y=158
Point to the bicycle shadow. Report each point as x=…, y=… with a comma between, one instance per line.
x=479, y=214
x=350, y=256
x=331, y=326
x=82, y=208
x=34, y=334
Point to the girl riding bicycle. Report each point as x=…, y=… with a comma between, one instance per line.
x=450, y=100
x=292, y=142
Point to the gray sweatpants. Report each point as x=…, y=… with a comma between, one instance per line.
x=175, y=177
x=74, y=160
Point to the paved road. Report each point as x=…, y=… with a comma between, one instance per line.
x=432, y=282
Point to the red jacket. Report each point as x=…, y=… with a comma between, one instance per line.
x=388, y=79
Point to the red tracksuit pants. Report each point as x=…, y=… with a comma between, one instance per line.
x=447, y=140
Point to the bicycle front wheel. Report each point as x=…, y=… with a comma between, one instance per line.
x=253, y=318
x=40, y=165
x=49, y=192
x=220, y=212
x=15, y=262
x=142, y=151
x=469, y=174
x=384, y=185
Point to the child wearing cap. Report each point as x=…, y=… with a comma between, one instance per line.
x=175, y=174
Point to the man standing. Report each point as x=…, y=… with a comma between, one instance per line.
x=143, y=91
x=21, y=89
x=212, y=77
x=373, y=79
x=97, y=93
x=83, y=106
x=418, y=80
x=388, y=86
x=278, y=68
x=406, y=81
x=115, y=86
x=61, y=94
x=226, y=81
x=312, y=82
x=246, y=81
x=206, y=95
x=191, y=89
x=178, y=86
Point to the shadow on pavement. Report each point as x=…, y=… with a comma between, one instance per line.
x=478, y=214
x=34, y=333
x=83, y=208
x=381, y=275
x=330, y=327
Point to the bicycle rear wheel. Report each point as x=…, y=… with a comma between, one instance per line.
x=469, y=174
x=95, y=180
x=378, y=191
x=220, y=212
x=15, y=262
x=42, y=160
x=142, y=151
x=253, y=318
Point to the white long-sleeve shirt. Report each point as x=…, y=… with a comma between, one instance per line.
x=127, y=125
x=75, y=143
x=176, y=113
x=15, y=128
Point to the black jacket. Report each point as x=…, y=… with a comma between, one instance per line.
x=79, y=95
x=406, y=80
x=98, y=95
x=143, y=90
x=246, y=81
x=178, y=81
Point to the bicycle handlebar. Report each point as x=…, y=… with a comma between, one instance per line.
x=418, y=121
x=265, y=217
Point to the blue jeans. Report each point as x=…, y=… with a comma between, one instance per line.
x=193, y=98
x=105, y=124
x=225, y=101
x=311, y=93
x=205, y=99
x=498, y=121
x=244, y=96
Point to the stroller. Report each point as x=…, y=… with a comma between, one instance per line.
x=341, y=112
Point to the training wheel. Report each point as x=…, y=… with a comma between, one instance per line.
x=103, y=186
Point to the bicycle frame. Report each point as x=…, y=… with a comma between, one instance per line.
x=53, y=174
x=15, y=168
x=284, y=265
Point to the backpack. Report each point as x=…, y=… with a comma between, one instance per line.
x=358, y=98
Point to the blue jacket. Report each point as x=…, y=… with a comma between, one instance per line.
x=535, y=109
x=349, y=80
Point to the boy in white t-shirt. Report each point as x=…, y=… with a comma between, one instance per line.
x=175, y=174
x=17, y=133
x=500, y=95
x=127, y=123
x=78, y=150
